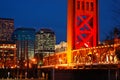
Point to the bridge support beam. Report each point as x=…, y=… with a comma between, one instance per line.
x=82, y=25
x=70, y=23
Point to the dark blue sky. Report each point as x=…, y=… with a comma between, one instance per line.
x=51, y=14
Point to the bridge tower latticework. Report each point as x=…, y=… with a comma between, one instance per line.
x=82, y=25
x=85, y=23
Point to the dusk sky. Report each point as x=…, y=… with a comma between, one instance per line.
x=53, y=14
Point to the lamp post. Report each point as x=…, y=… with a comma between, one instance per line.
x=34, y=66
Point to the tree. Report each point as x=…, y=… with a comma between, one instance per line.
x=114, y=34
x=117, y=52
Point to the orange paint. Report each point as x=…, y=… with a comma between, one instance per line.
x=82, y=25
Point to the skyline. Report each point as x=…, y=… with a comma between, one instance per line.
x=52, y=14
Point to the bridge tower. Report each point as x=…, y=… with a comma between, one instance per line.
x=82, y=25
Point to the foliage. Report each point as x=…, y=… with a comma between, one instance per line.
x=115, y=33
x=117, y=52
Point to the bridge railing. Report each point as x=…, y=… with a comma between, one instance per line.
x=101, y=55
x=94, y=55
x=57, y=58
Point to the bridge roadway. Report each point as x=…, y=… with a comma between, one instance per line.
x=83, y=66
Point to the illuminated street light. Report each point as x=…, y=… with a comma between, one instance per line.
x=34, y=61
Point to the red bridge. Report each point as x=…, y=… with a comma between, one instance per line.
x=83, y=57
x=82, y=39
x=94, y=57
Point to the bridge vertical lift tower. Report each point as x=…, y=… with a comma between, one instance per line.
x=82, y=25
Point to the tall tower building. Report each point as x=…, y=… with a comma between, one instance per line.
x=7, y=48
x=25, y=41
x=6, y=29
x=45, y=42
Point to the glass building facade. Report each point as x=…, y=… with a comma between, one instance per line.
x=25, y=41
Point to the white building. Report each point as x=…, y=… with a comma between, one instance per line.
x=61, y=47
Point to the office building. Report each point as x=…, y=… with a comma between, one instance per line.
x=25, y=41
x=45, y=42
x=8, y=56
x=6, y=29
x=61, y=47
x=7, y=47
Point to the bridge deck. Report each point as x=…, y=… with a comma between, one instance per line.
x=83, y=66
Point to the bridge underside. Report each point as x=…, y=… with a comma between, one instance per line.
x=80, y=74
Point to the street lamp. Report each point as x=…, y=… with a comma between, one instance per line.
x=34, y=67
x=33, y=60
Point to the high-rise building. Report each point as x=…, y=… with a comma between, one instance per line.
x=6, y=29
x=45, y=42
x=25, y=41
x=7, y=47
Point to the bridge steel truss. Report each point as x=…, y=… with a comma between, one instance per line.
x=82, y=25
x=84, y=19
x=82, y=38
x=85, y=56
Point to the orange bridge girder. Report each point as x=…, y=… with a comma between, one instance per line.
x=82, y=25
x=94, y=55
